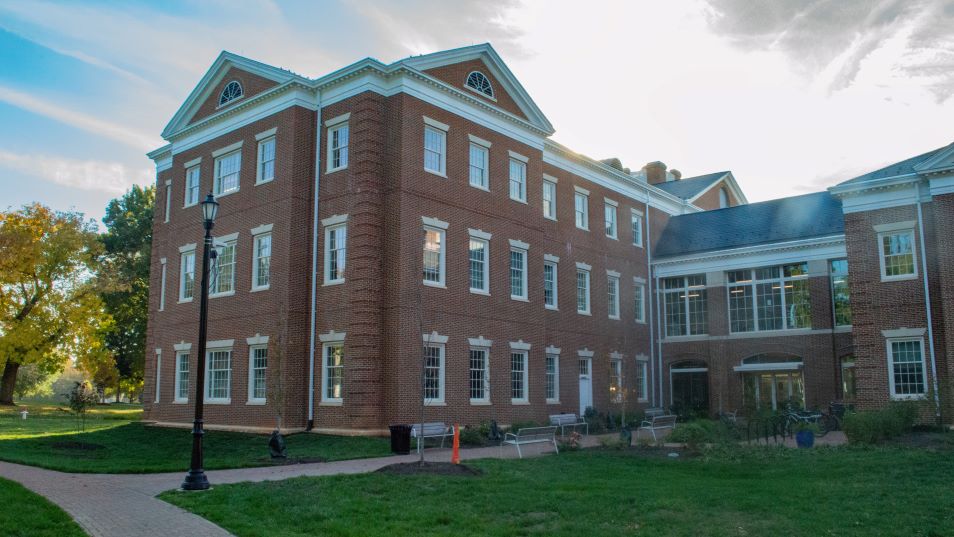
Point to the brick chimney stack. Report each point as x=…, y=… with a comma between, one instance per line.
x=655, y=172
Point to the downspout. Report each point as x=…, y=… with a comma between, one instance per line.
x=649, y=287
x=659, y=358
x=927, y=308
x=314, y=270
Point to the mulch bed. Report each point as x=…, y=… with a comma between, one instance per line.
x=429, y=468
x=77, y=446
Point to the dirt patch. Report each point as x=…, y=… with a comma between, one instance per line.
x=288, y=461
x=77, y=446
x=929, y=440
x=429, y=468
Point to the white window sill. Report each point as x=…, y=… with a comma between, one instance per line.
x=220, y=295
x=478, y=187
x=184, y=301
x=434, y=284
x=479, y=403
x=331, y=403
x=218, y=401
x=329, y=283
x=912, y=397
x=582, y=228
x=898, y=278
x=584, y=313
x=257, y=183
x=551, y=308
x=180, y=401
x=437, y=173
x=642, y=400
x=611, y=237
x=612, y=318
x=554, y=402
x=480, y=292
x=256, y=402
x=257, y=289
x=519, y=298
x=190, y=205
x=223, y=194
x=550, y=218
x=638, y=245
x=333, y=170
x=518, y=200
x=843, y=328
x=694, y=337
x=519, y=402
x=640, y=321
x=435, y=403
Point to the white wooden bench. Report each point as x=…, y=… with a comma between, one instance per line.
x=569, y=420
x=532, y=435
x=431, y=430
x=657, y=423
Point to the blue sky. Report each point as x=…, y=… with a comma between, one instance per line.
x=791, y=96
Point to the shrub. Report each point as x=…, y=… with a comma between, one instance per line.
x=873, y=426
x=475, y=435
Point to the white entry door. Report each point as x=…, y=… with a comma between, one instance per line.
x=586, y=386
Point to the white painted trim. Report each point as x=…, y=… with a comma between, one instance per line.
x=335, y=121
x=514, y=243
x=227, y=149
x=185, y=248
x=581, y=190
x=168, y=183
x=519, y=345
x=257, y=340
x=780, y=253
x=332, y=337
x=895, y=226
x=552, y=179
x=434, y=338
x=182, y=347
x=612, y=273
x=776, y=366
x=636, y=212
x=904, y=333
x=193, y=162
x=334, y=220
x=479, y=141
x=517, y=156
x=434, y=223
x=264, y=228
x=220, y=344
x=266, y=134
x=914, y=256
x=551, y=258
x=890, y=357
x=436, y=124
x=479, y=341
x=583, y=266
x=585, y=353
x=162, y=285
x=479, y=234
x=552, y=350
x=639, y=280
x=608, y=201
x=642, y=358
x=226, y=238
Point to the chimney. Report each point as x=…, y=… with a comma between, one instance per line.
x=677, y=175
x=655, y=172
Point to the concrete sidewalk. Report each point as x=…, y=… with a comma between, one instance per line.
x=125, y=505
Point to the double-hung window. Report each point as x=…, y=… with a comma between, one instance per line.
x=518, y=177
x=192, y=186
x=642, y=380
x=518, y=377
x=581, y=200
x=435, y=147
x=168, y=199
x=182, y=376
x=224, y=280
x=616, y=380
x=227, y=168
x=907, y=375
x=262, y=262
x=549, y=197
x=336, y=248
x=265, y=171
x=479, y=375
x=583, y=288
x=896, y=248
x=770, y=298
x=433, y=373
x=479, y=260
x=257, y=366
x=841, y=297
x=339, y=134
x=684, y=300
x=639, y=300
x=550, y=282
x=219, y=378
x=609, y=214
x=434, y=252
x=479, y=163
x=553, y=377
x=332, y=372
x=612, y=293
x=518, y=270
x=637, y=226
x=187, y=274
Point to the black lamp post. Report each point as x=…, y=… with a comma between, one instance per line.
x=195, y=479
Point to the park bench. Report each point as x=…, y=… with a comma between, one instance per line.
x=569, y=420
x=430, y=430
x=652, y=412
x=532, y=435
x=657, y=423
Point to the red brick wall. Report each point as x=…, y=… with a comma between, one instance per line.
x=710, y=200
x=456, y=75
x=251, y=85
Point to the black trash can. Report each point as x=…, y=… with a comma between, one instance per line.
x=400, y=439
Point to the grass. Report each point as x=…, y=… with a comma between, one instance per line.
x=26, y=514
x=751, y=492
x=116, y=442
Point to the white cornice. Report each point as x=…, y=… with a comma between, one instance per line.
x=828, y=247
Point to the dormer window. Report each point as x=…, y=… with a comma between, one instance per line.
x=232, y=91
x=478, y=82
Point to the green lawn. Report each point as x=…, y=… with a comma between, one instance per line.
x=116, y=442
x=26, y=514
x=754, y=492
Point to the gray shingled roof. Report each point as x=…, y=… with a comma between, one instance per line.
x=785, y=219
x=690, y=186
x=898, y=168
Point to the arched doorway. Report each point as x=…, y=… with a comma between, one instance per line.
x=689, y=386
x=772, y=381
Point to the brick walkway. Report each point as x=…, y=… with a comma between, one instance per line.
x=123, y=505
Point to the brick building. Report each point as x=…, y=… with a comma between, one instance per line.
x=385, y=224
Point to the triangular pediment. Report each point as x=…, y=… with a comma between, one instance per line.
x=941, y=160
x=453, y=67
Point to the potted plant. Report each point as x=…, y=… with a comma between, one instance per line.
x=805, y=434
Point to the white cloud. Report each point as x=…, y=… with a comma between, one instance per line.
x=108, y=177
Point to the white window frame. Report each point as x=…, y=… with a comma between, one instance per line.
x=168, y=200
x=338, y=125
x=439, y=129
x=225, y=242
x=479, y=345
x=554, y=354
x=639, y=300
x=782, y=281
x=182, y=351
x=584, y=269
x=612, y=301
x=331, y=340
x=439, y=227
x=439, y=342
x=552, y=261
x=211, y=347
x=482, y=147
x=478, y=236
x=887, y=231
x=158, y=374
x=521, y=348
x=162, y=285
x=265, y=138
x=581, y=208
x=252, y=400
x=616, y=371
x=636, y=225
x=642, y=379
x=193, y=173
x=889, y=341
x=611, y=219
x=334, y=224
x=518, y=163
x=184, y=253
x=259, y=234
x=523, y=249
x=549, y=205
x=234, y=150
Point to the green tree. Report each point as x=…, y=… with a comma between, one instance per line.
x=50, y=310
x=127, y=245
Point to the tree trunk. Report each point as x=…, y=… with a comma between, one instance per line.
x=8, y=382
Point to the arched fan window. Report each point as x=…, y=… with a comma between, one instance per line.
x=479, y=82
x=232, y=91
